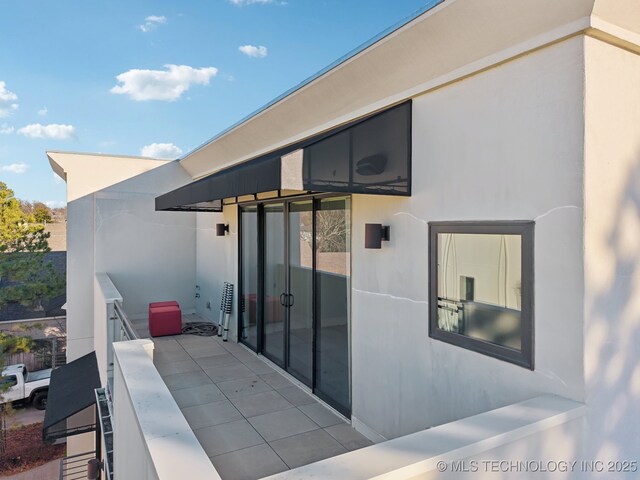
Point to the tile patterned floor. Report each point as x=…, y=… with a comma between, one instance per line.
x=251, y=420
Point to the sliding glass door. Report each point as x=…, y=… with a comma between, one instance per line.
x=300, y=304
x=249, y=276
x=275, y=286
x=332, y=292
x=295, y=278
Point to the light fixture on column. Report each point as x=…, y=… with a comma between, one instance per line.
x=221, y=229
x=374, y=234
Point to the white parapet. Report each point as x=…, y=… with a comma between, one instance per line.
x=433, y=453
x=152, y=439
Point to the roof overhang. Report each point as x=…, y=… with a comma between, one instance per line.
x=441, y=44
x=92, y=172
x=368, y=156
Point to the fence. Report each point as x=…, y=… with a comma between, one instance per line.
x=46, y=353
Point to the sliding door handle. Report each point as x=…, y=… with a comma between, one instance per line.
x=282, y=297
x=291, y=300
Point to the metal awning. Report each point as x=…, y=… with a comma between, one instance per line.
x=71, y=390
x=369, y=156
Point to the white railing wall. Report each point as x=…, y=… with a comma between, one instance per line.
x=152, y=439
x=537, y=434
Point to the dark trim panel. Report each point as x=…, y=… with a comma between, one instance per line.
x=523, y=357
x=371, y=155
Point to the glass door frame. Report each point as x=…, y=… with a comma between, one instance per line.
x=259, y=348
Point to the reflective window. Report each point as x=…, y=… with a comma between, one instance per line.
x=481, y=277
x=8, y=382
x=249, y=276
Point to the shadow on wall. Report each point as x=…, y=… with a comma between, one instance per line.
x=612, y=326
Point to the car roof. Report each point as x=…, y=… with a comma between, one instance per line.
x=13, y=369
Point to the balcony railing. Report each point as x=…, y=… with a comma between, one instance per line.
x=75, y=467
x=124, y=330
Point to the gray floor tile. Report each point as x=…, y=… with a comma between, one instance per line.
x=232, y=346
x=296, y=396
x=216, y=360
x=243, y=386
x=188, y=341
x=186, y=380
x=260, y=403
x=205, y=350
x=177, y=367
x=259, y=367
x=229, y=372
x=160, y=356
x=158, y=340
x=276, y=425
x=320, y=414
x=307, y=448
x=348, y=436
x=227, y=437
x=249, y=463
x=276, y=380
x=244, y=355
x=189, y=397
x=211, y=414
x=248, y=402
x=168, y=346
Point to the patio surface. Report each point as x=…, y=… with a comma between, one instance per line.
x=251, y=420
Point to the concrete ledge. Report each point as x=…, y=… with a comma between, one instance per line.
x=107, y=288
x=419, y=453
x=172, y=450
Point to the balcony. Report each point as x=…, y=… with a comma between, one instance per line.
x=250, y=419
x=196, y=407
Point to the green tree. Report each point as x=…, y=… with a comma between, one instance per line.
x=41, y=212
x=26, y=275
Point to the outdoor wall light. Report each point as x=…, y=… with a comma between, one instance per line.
x=221, y=228
x=374, y=234
x=93, y=469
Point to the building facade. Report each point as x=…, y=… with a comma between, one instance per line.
x=499, y=141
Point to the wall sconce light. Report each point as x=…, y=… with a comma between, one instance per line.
x=374, y=234
x=93, y=469
x=221, y=228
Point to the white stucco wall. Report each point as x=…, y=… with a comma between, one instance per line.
x=151, y=438
x=148, y=255
x=217, y=262
x=80, y=277
x=506, y=144
x=612, y=250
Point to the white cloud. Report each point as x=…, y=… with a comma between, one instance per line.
x=241, y=3
x=53, y=131
x=254, y=51
x=8, y=101
x=15, y=168
x=161, y=150
x=55, y=203
x=6, y=129
x=43, y=111
x=168, y=85
x=152, y=22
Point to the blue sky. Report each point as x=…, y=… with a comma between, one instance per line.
x=98, y=76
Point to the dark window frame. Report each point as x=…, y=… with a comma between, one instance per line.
x=523, y=357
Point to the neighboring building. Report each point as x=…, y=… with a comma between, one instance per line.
x=500, y=143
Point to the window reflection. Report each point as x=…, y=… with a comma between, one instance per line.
x=479, y=286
